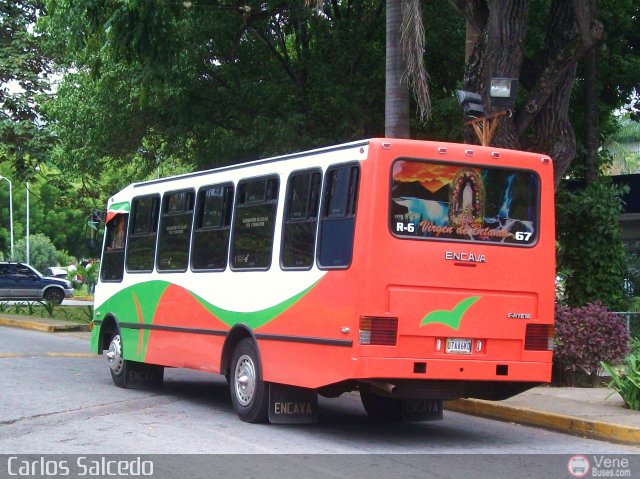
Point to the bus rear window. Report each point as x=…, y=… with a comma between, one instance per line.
x=453, y=202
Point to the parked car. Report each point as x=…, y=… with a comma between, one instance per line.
x=56, y=272
x=64, y=273
x=19, y=281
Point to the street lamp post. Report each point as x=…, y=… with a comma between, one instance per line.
x=27, y=237
x=36, y=168
x=10, y=211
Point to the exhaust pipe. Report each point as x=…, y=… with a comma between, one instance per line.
x=384, y=387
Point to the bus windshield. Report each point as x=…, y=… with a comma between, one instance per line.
x=455, y=202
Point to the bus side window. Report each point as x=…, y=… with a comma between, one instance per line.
x=211, y=231
x=141, y=242
x=175, y=231
x=112, y=265
x=254, y=223
x=338, y=219
x=301, y=219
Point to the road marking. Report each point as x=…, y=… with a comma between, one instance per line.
x=48, y=355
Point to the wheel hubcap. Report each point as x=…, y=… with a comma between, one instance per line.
x=245, y=380
x=114, y=356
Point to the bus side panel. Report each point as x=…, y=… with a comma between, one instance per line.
x=199, y=349
x=154, y=317
x=311, y=344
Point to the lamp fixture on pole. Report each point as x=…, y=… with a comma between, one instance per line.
x=502, y=93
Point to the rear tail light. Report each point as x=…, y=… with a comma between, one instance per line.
x=378, y=331
x=539, y=337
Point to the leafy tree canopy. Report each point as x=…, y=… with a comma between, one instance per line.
x=23, y=68
x=219, y=83
x=205, y=83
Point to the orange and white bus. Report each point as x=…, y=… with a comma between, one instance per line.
x=411, y=271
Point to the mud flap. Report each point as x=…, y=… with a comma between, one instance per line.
x=144, y=376
x=292, y=405
x=421, y=410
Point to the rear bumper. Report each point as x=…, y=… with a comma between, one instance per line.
x=451, y=369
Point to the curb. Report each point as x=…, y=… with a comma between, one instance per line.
x=43, y=326
x=557, y=422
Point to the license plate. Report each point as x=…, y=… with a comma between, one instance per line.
x=458, y=346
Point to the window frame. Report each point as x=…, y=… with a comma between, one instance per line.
x=351, y=205
x=467, y=165
x=230, y=206
x=237, y=205
x=154, y=232
x=286, y=220
x=162, y=215
x=119, y=251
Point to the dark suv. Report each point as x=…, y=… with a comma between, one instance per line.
x=20, y=281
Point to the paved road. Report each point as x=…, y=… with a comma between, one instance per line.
x=58, y=399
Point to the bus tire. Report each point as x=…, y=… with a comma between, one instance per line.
x=380, y=408
x=132, y=374
x=118, y=366
x=249, y=393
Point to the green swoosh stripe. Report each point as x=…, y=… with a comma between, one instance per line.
x=253, y=319
x=450, y=318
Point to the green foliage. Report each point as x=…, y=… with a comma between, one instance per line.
x=49, y=307
x=80, y=314
x=626, y=379
x=19, y=308
x=22, y=69
x=42, y=252
x=89, y=272
x=591, y=245
x=30, y=308
x=624, y=161
x=64, y=259
x=53, y=211
x=212, y=85
x=88, y=313
x=231, y=85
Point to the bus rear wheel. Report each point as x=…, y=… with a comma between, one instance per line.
x=380, y=408
x=125, y=373
x=249, y=393
x=118, y=366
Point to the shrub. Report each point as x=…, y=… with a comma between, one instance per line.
x=585, y=337
x=626, y=379
x=591, y=247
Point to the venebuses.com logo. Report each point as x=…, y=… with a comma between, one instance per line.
x=598, y=466
x=578, y=466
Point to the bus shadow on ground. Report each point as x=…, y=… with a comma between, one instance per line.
x=343, y=416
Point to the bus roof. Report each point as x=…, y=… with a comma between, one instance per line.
x=263, y=161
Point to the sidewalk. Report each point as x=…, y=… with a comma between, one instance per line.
x=593, y=413
x=45, y=325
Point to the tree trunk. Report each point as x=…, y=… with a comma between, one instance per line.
x=498, y=54
x=542, y=124
x=554, y=134
x=591, y=97
x=396, y=105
